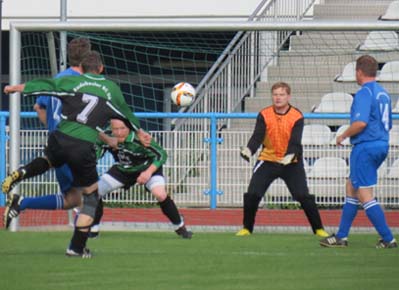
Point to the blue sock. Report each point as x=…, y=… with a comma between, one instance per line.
x=53, y=201
x=349, y=212
x=376, y=216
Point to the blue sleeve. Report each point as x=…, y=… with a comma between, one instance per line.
x=42, y=101
x=361, y=106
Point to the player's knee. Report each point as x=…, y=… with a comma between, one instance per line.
x=72, y=199
x=90, y=202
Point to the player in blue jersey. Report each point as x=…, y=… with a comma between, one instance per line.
x=49, y=113
x=370, y=122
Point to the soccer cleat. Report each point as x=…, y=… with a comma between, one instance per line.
x=243, y=232
x=184, y=233
x=333, y=242
x=12, y=209
x=322, y=233
x=85, y=254
x=386, y=245
x=12, y=180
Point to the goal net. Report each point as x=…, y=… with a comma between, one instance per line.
x=318, y=65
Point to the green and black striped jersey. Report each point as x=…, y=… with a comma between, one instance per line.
x=89, y=101
x=132, y=156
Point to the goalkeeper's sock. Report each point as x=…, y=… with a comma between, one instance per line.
x=169, y=209
x=36, y=167
x=349, y=212
x=51, y=202
x=78, y=241
x=376, y=215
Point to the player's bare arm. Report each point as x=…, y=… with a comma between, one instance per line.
x=14, y=89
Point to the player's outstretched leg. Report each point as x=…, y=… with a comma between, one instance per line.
x=12, y=209
x=36, y=167
x=169, y=209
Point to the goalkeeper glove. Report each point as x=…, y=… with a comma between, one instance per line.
x=245, y=153
x=287, y=159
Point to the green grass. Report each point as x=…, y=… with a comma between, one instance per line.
x=137, y=260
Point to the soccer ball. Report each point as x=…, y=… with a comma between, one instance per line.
x=183, y=94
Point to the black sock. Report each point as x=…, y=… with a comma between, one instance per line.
x=35, y=167
x=251, y=204
x=78, y=241
x=169, y=209
x=99, y=212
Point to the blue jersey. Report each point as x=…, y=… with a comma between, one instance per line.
x=372, y=105
x=53, y=105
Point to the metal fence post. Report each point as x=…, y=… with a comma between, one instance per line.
x=3, y=141
x=213, y=140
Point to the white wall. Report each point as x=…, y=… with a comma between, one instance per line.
x=42, y=10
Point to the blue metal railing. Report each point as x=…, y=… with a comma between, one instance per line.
x=213, y=139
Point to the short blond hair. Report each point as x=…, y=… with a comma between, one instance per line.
x=282, y=85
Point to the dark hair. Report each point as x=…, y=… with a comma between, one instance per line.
x=282, y=85
x=92, y=62
x=368, y=65
x=77, y=50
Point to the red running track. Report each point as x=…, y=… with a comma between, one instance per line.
x=202, y=217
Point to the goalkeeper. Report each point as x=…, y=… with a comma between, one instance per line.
x=279, y=130
x=138, y=164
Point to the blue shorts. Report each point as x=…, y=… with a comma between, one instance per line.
x=365, y=159
x=64, y=178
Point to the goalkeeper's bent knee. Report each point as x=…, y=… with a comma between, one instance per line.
x=90, y=202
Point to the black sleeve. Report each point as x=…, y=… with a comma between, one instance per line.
x=258, y=135
x=295, y=142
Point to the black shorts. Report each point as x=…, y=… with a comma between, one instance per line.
x=128, y=178
x=78, y=154
x=266, y=172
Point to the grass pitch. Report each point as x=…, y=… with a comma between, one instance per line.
x=154, y=260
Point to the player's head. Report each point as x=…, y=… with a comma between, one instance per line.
x=92, y=63
x=77, y=50
x=366, y=68
x=281, y=95
x=119, y=129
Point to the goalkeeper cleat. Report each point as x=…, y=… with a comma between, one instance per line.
x=85, y=254
x=184, y=233
x=12, y=180
x=322, y=233
x=243, y=232
x=334, y=242
x=386, y=245
x=13, y=209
